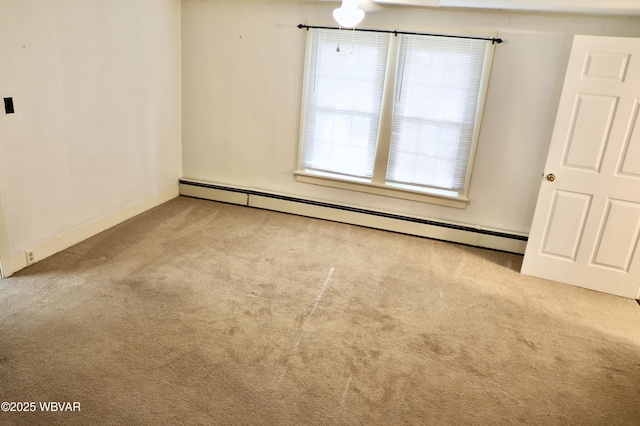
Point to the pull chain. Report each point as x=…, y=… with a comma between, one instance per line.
x=352, y=35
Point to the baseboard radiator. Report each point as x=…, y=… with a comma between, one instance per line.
x=469, y=235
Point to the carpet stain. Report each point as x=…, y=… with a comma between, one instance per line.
x=132, y=284
x=346, y=390
x=232, y=330
x=531, y=344
x=303, y=321
x=368, y=316
x=324, y=287
x=429, y=343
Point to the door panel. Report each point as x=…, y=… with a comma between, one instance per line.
x=564, y=232
x=589, y=135
x=606, y=66
x=630, y=159
x=586, y=228
x=619, y=236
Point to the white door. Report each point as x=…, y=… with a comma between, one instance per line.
x=586, y=225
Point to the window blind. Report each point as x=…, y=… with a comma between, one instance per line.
x=436, y=100
x=343, y=100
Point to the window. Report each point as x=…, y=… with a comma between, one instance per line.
x=392, y=114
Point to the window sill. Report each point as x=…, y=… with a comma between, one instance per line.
x=396, y=191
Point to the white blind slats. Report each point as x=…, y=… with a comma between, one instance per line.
x=435, y=110
x=344, y=99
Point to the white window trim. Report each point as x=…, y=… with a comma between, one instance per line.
x=378, y=185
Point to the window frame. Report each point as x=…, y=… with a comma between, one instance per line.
x=378, y=184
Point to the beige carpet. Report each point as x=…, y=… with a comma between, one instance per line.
x=205, y=313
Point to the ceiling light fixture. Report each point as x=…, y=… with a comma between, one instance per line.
x=348, y=15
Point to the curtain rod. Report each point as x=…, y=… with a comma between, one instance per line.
x=492, y=40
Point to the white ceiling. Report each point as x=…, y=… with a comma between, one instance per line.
x=598, y=7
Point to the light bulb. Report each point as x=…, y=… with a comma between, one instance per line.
x=348, y=15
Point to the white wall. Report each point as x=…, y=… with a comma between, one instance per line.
x=242, y=77
x=97, y=128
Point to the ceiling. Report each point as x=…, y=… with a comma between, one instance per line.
x=595, y=7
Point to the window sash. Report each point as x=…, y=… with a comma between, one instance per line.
x=344, y=92
x=434, y=117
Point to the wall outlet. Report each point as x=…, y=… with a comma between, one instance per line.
x=31, y=257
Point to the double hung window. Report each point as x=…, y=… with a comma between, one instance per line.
x=392, y=114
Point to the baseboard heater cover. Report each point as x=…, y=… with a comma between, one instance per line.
x=426, y=228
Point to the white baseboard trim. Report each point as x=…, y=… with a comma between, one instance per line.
x=63, y=241
x=463, y=234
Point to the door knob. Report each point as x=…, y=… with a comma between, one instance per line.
x=551, y=177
